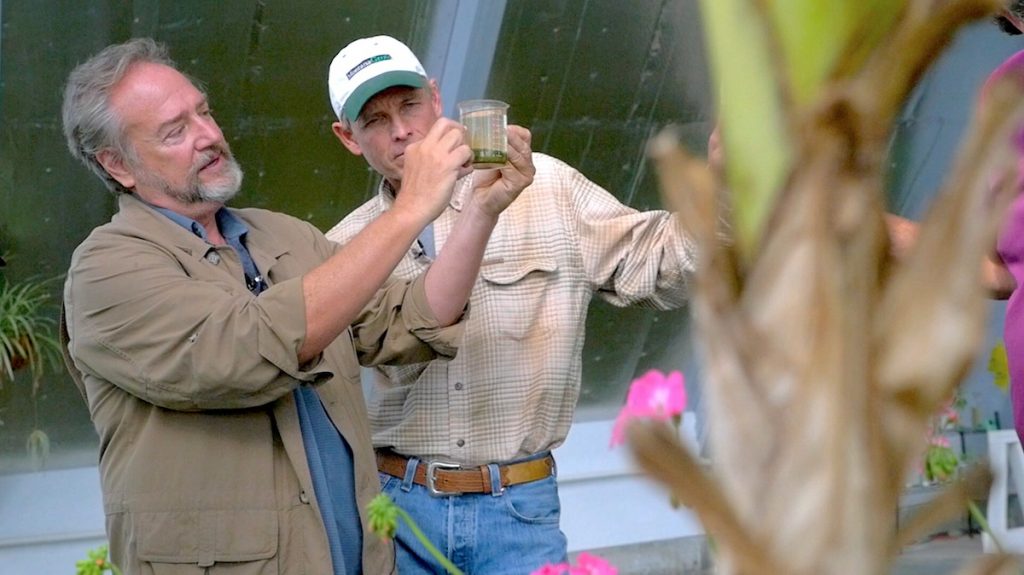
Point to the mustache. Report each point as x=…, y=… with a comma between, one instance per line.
x=216, y=150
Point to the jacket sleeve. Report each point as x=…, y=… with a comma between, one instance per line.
x=398, y=327
x=138, y=320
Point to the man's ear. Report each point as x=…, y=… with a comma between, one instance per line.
x=114, y=164
x=344, y=135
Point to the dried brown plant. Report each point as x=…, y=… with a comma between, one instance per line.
x=824, y=355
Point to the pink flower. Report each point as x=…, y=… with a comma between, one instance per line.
x=549, y=569
x=950, y=416
x=652, y=396
x=587, y=564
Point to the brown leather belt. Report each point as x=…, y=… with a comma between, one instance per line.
x=449, y=479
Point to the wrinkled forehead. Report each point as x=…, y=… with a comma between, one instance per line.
x=389, y=98
x=152, y=93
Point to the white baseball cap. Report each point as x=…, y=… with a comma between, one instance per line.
x=367, y=66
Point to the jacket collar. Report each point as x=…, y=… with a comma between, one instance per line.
x=144, y=217
x=141, y=215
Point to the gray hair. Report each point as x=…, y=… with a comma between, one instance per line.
x=90, y=125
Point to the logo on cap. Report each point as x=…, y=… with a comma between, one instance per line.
x=367, y=62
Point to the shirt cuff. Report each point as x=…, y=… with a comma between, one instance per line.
x=420, y=320
x=283, y=332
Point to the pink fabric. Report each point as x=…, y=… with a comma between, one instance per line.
x=1010, y=248
x=1012, y=65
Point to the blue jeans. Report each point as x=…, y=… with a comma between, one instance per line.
x=503, y=533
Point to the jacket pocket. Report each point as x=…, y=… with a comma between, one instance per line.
x=206, y=537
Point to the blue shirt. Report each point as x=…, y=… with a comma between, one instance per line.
x=330, y=457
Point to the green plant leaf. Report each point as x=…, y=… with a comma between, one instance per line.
x=766, y=76
x=28, y=320
x=843, y=35
x=96, y=563
x=757, y=148
x=940, y=463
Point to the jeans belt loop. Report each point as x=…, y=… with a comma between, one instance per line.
x=497, y=487
x=410, y=474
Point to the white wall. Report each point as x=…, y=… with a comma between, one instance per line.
x=606, y=501
x=49, y=520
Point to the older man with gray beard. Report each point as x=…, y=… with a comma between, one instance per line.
x=218, y=349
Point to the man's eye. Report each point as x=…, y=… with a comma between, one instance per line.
x=174, y=133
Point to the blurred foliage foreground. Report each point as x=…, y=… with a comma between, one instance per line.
x=825, y=357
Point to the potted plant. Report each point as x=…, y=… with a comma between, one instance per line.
x=27, y=322
x=27, y=341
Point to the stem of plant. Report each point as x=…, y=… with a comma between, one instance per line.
x=983, y=523
x=426, y=543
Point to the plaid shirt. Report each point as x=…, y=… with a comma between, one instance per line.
x=511, y=390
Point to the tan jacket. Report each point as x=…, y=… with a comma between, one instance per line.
x=189, y=381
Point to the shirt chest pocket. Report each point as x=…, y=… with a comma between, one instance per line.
x=515, y=296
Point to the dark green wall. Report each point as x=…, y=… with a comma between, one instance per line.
x=592, y=79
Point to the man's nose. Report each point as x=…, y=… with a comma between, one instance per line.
x=208, y=132
x=400, y=129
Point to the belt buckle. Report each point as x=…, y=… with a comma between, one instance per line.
x=432, y=468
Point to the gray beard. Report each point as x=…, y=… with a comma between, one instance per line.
x=198, y=192
x=194, y=191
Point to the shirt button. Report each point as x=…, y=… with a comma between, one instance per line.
x=304, y=497
x=213, y=257
x=458, y=386
x=460, y=442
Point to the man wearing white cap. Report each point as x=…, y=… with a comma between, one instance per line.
x=218, y=348
x=464, y=446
